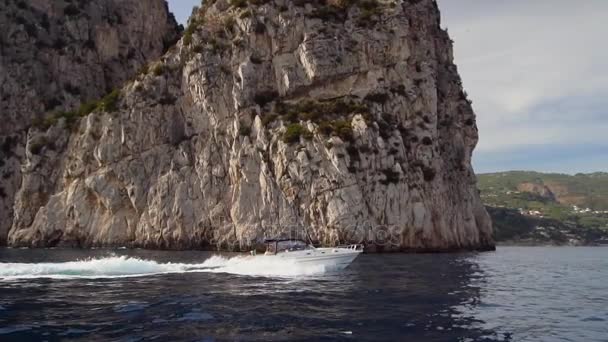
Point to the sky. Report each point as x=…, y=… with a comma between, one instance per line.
x=537, y=72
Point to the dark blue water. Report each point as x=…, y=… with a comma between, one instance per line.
x=514, y=294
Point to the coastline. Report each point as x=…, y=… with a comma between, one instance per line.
x=545, y=244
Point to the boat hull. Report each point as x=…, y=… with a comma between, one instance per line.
x=331, y=259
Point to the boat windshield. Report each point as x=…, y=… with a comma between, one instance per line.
x=275, y=247
x=294, y=245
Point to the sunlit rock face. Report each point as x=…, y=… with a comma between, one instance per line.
x=55, y=55
x=344, y=117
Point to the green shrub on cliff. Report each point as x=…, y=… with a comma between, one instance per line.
x=294, y=132
x=343, y=129
x=159, y=69
x=315, y=111
x=87, y=108
x=189, y=31
x=110, y=102
x=187, y=36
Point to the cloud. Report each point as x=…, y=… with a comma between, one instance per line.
x=556, y=158
x=537, y=72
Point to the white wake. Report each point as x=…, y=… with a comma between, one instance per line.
x=122, y=266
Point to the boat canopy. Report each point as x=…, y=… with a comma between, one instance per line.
x=285, y=245
x=282, y=240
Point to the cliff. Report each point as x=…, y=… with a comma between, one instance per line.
x=346, y=117
x=55, y=55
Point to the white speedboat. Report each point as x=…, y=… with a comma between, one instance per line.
x=298, y=251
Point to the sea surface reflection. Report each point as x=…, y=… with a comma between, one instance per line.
x=515, y=294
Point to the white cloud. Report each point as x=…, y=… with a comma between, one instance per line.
x=530, y=67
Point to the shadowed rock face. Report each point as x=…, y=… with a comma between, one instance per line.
x=55, y=55
x=349, y=121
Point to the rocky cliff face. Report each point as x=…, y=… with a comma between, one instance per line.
x=537, y=189
x=346, y=117
x=55, y=55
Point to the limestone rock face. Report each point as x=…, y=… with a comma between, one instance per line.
x=57, y=54
x=350, y=121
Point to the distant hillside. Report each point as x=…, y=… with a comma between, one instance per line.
x=582, y=190
x=535, y=207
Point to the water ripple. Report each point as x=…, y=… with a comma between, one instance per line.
x=515, y=294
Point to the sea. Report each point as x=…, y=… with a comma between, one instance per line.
x=513, y=294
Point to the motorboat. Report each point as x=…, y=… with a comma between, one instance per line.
x=298, y=251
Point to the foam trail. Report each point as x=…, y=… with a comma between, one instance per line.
x=120, y=267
